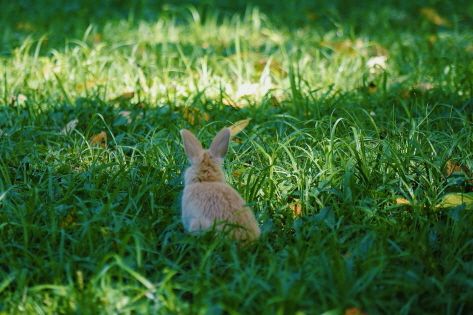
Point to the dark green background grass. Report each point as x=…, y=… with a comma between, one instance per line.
x=88, y=230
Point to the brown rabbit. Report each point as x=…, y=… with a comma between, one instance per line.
x=208, y=200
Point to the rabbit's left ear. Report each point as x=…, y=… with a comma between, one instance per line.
x=219, y=146
x=192, y=145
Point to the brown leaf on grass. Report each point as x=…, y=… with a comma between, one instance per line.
x=402, y=201
x=431, y=15
x=296, y=208
x=354, y=311
x=237, y=127
x=452, y=167
x=99, y=139
x=126, y=96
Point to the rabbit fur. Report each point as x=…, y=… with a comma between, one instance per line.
x=208, y=201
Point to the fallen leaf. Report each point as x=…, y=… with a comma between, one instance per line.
x=70, y=126
x=126, y=96
x=456, y=199
x=296, y=208
x=431, y=15
x=402, y=201
x=99, y=139
x=354, y=311
x=452, y=167
x=237, y=127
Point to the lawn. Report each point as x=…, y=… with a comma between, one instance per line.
x=357, y=158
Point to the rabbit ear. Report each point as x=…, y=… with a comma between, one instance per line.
x=219, y=146
x=192, y=145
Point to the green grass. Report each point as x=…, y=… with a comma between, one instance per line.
x=86, y=229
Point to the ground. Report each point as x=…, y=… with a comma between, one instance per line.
x=356, y=158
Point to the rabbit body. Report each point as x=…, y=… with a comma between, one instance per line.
x=207, y=200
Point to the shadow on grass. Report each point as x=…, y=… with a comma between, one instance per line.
x=61, y=21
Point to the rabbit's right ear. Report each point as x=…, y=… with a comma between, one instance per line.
x=192, y=145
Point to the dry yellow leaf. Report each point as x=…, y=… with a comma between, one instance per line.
x=296, y=208
x=237, y=127
x=99, y=139
x=456, y=199
x=431, y=15
x=454, y=167
x=124, y=97
x=402, y=201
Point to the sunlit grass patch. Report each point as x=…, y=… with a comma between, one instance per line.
x=352, y=144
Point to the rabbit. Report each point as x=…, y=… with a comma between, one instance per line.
x=208, y=201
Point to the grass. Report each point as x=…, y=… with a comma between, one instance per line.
x=92, y=229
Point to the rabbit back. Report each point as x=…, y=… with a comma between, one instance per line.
x=215, y=203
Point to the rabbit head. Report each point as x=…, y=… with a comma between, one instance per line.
x=206, y=165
